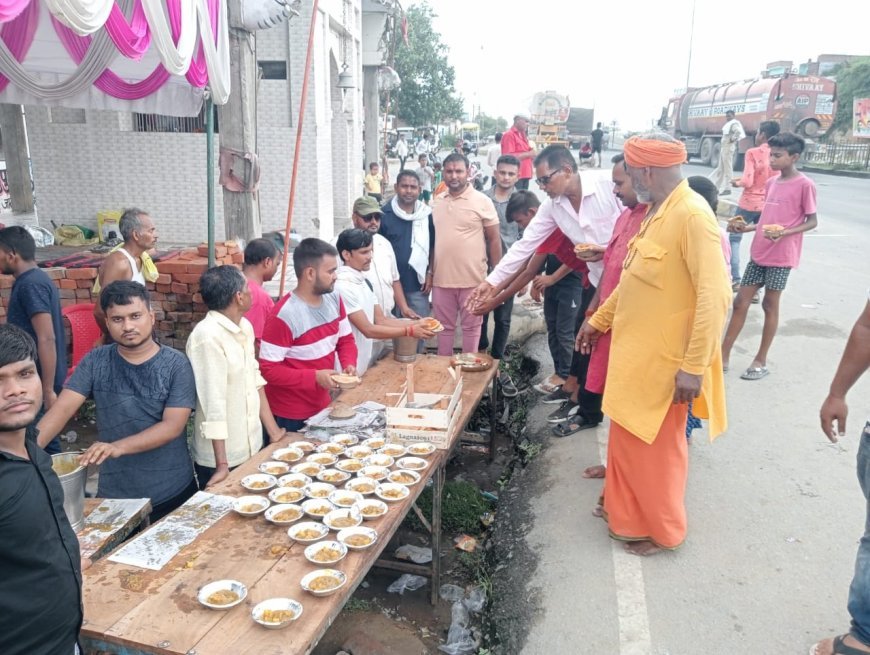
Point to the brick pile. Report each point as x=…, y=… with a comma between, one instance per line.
x=175, y=296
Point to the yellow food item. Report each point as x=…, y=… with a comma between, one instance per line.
x=277, y=616
x=364, y=488
x=310, y=470
x=332, y=477
x=62, y=467
x=287, y=515
x=323, y=510
x=402, y=478
x=392, y=493
x=250, y=509
x=371, y=510
x=358, y=540
x=258, y=484
x=419, y=450
x=307, y=533
x=334, y=448
x=275, y=470
x=343, y=522
x=352, y=466
x=326, y=554
x=290, y=497
x=345, y=500
x=323, y=583
x=319, y=493
x=296, y=484
x=222, y=597
x=288, y=457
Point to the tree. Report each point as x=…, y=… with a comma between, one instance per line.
x=853, y=81
x=490, y=125
x=426, y=95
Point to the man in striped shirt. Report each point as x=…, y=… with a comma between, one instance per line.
x=306, y=332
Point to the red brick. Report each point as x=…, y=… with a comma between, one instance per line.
x=83, y=294
x=232, y=247
x=84, y=284
x=159, y=314
x=172, y=267
x=170, y=306
x=166, y=325
x=180, y=317
x=164, y=278
x=186, y=278
x=238, y=258
x=157, y=295
x=184, y=297
x=67, y=293
x=199, y=307
x=55, y=273
x=81, y=273
x=178, y=287
x=163, y=288
x=5, y=293
x=6, y=281
x=202, y=250
x=220, y=251
x=197, y=297
x=67, y=284
x=197, y=267
x=67, y=302
x=190, y=254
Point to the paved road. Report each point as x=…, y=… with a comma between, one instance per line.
x=775, y=511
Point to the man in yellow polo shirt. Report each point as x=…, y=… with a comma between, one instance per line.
x=667, y=317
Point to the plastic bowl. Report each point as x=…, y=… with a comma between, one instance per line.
x=222, y=585
x=276, y=604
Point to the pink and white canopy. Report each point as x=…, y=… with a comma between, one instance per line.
x=150, y=56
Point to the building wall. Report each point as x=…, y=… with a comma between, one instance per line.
x=93, y=161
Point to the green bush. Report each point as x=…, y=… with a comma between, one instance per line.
x=461, y=508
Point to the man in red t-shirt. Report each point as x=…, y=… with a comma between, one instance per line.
x=516, y=142
x=262, y=259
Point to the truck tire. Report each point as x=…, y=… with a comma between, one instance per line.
x=714, y=156
x=809, y=128
x=706, y=151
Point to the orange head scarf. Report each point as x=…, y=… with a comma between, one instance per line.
x=640, y=153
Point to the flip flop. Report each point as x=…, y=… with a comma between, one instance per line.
x=839, y=648
x=754, y=373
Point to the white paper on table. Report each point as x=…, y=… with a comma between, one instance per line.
x=160, y=543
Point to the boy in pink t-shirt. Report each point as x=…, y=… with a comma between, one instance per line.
x=789, y=211
x=262, y=259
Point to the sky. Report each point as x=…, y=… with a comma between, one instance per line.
x=626, y=59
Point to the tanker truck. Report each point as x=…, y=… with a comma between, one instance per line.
x=800, y=103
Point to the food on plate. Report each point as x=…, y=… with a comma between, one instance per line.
x=222, y=597
x=351, y=465
x=275, y=469
x=310, y=469
x=402, y=477
x=421, y=449
x=287, y=515
x=332, y=448
x=358, y=540
x=258, y=484
x=319, y=510
x=372, y=510
x=430, y=323
x=324, y=582
x=467, y=358
x=277, y=616
x=304, y=446
x=307, y=533
x=326, y=555
x=343, y=522
x=331, y=475
x=392, y=493
x=364, y=487
x=251, y=508
x=289, y=496
x=393, y=450
x=344, y=439
x=345, y=381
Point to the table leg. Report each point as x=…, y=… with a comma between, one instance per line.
x=493, y=417
x=437, y=492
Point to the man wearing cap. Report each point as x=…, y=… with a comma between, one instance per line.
x=672, y=278
x=383, y=275
x=516, y=142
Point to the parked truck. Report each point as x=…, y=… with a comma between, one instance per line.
x=580, y=125
x=800, y=103
x=549, y=115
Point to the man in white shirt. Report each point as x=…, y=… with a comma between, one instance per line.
x=383, y=273
x=493, y=154
x=422, y=147
x=427, y=176
x=732, y=133
x=231, y=400
x=369, y=323
x=402, y=150
x=583, y=207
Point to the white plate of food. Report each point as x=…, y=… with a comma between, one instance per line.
x=362, y=485
x=276, y=613
x=331, y=448
x=324, y=459
x=374, y=442
x=310, y=469
x=286, y=495
x=358, y=452
x=259, y=482
x=339, y=519
x=392, y=492
x=333, y=476
x=295, y=480
x=371, y=508
x=250, y=505
x=345, y=439
x=304, y=446
x=275, y=468
x=318, y=489
x=222, y=594
x=345, y=497
x=290, y=455
x=422, y=449
x=324, y=553
x=349, y=465
x=323, y=582
x=393, y=450
x=375, y=472
x=405, y=477
x=307, y=531
x=317, y=507
x=358, y=538
x=283, y=514
x=412, y=463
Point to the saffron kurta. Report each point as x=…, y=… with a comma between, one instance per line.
x=667, y=314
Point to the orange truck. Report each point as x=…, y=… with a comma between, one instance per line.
x=803, y=104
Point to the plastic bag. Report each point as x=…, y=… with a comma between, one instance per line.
x=451, y=593
x=475, y=600
x=416, y=554
x=459, y=638
x=40, y=235
x=407, y=582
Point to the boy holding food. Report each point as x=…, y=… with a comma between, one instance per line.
x=789, y=211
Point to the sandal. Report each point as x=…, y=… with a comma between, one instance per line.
x=573, y=426
x=754, y=373
x=840, y=648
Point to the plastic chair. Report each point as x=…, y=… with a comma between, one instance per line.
x=85, y=331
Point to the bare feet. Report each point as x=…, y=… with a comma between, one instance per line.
x=828, y=646
x=598, y=512
x=595, y=471
x=641, y=548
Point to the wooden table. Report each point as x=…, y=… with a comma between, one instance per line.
x=108, y=522
x=132, y=611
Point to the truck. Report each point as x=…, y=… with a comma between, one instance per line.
x=804, y=104
x=549, y=115
x=580, y=124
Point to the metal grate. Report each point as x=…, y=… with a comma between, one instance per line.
x=853, y=155
x=178, y=124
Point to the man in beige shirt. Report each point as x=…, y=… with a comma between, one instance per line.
x=230, y=398
x=466, y=237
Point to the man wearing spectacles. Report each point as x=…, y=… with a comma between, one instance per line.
x=585, y=209
x=383, y=273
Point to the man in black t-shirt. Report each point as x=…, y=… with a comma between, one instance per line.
x=597, y=145
x=144, y=393
x=34, y=306
x=40, y=565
